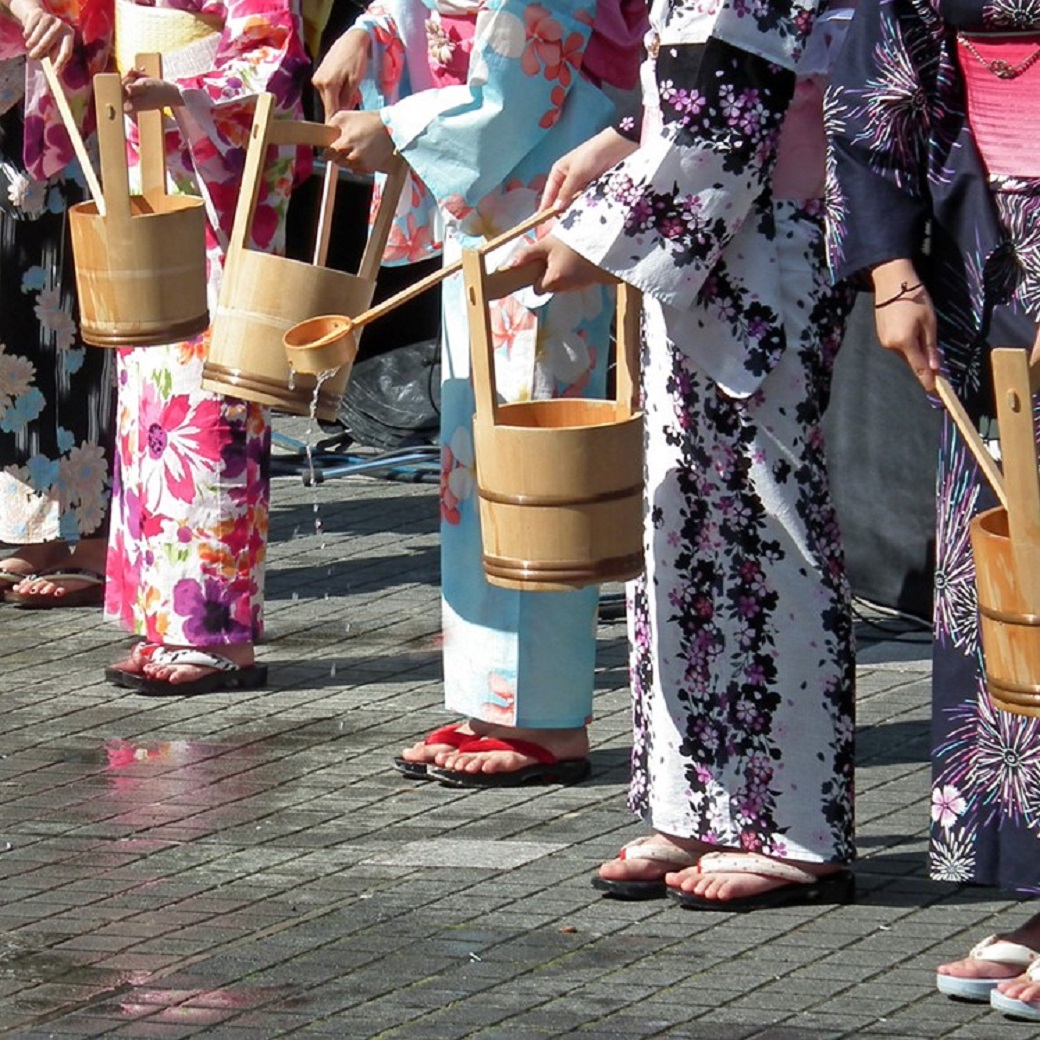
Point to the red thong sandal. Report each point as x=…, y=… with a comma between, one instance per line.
x=449, y=735
x=548, y=769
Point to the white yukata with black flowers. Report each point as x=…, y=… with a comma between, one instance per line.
x=742, y=662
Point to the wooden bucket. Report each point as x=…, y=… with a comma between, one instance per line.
x=560, y=481
x=140, y=260
x=263, y=296
x=1005, y=541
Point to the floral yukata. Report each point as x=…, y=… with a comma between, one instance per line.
x=189, y=523
x=57, y=396
x=904, y=156
x=480, y=105
x=742, y=662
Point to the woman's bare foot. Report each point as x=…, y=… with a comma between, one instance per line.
x=710, y=879
x=26, y=560
x=983, y=962
x=176, y=674
x=652, y=858
x=564, y=744
x=56, y=579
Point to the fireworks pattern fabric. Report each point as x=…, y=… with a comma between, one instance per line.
x=903, y=160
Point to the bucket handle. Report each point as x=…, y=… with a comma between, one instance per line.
x=115, y=174
x=481, y=288
x=78, y=146
x=267, y=130
x=1015, y=381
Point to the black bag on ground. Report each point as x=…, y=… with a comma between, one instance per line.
x=393, y=398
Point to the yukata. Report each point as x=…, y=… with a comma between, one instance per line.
x=57, y=396
x=906, y=167
x=190, y=501
x=742, y=664
x=480, y=100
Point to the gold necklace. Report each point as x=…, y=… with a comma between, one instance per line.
x=999, y=67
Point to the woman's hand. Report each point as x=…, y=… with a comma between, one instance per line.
x=364, y=143
x=45, y=34
x=905, y=319
x=341, y=71
x=142, y=93
x=564, y=268
x=573, y=172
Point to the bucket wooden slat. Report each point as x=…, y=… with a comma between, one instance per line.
x=140, y=260
x=1006, y=546
x=263, y=296
x=560, y=481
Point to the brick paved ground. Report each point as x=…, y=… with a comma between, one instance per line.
x=250, y=866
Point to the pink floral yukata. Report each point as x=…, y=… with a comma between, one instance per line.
x=191, y=493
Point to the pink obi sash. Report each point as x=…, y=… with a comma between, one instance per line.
x=1002, y=82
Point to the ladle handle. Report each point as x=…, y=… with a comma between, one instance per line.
x=502, y=282
x=78, y=146
x=989, y=467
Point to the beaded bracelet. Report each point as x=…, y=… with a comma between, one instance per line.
x=904, y=291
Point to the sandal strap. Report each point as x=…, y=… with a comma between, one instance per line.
x=199, y=658
x=753, y=863
x=993, y=948
x=527, y=748
x=84, y=574
x=654, y=851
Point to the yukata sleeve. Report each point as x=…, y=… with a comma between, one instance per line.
x=260, y=49
x=386, y=75
x=465, y=140
x=879, y=122
x=662, y=217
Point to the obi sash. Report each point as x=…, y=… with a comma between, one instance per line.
x=1002, y=84
x=186, y=40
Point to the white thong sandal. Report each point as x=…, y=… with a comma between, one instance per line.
x=649, y=849
x=800, y=887
x=1012, y=1006
x=989, y=950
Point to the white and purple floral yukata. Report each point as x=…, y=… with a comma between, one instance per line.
x=742, y=662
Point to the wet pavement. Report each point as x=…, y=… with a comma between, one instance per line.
x=249, y=865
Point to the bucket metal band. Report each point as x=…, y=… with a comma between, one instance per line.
x=115, y=333
x=271, y=387
x=634, y=490
x=590, y=572
x=1007, y=617
x=1026, y=694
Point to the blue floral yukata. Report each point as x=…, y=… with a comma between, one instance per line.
x=742, y=664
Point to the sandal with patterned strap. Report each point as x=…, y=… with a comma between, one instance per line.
x=798, y=886
x=991, y=950
x=225, y=675
x=646, y=850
